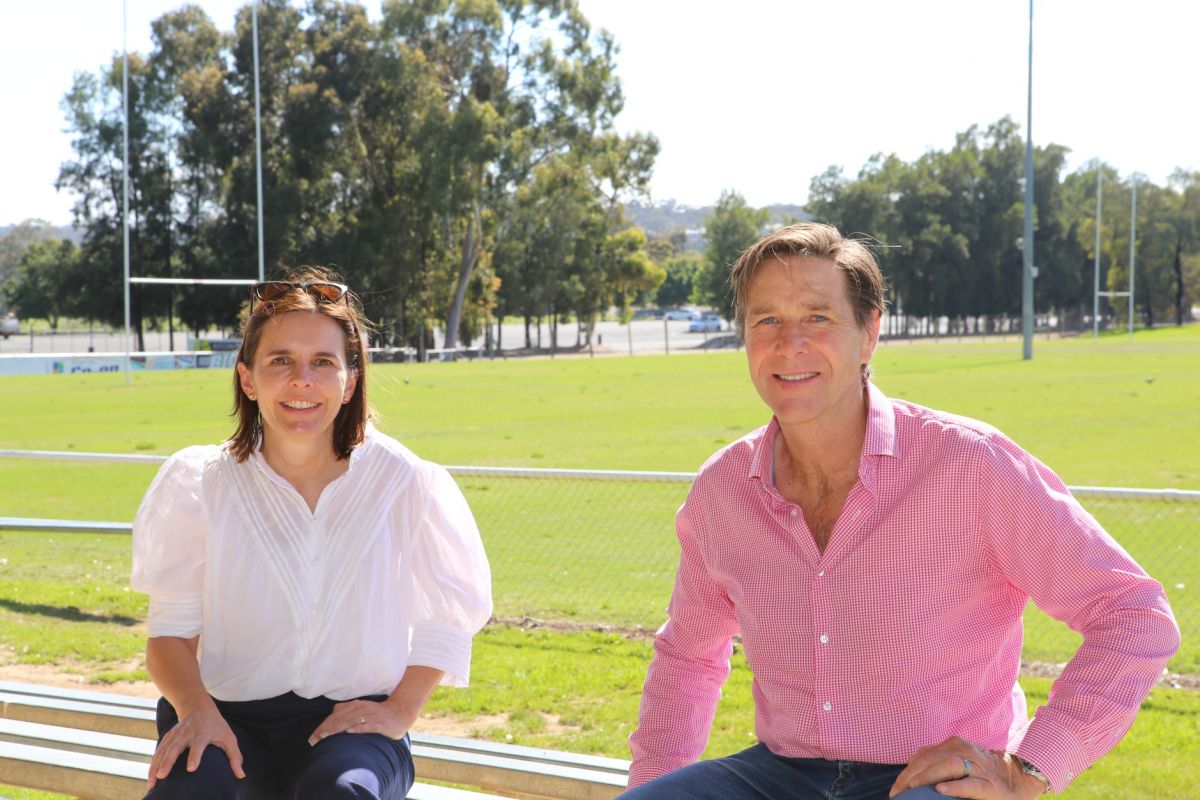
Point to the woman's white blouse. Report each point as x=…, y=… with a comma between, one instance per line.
x=388, y=572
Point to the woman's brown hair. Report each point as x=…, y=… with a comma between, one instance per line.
x=350, y=425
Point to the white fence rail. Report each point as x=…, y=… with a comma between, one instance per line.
x=1111, y=492
x=598, y=547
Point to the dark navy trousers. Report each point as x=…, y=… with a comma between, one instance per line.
x=279, y=762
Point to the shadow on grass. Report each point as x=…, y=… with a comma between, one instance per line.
x=68, y=613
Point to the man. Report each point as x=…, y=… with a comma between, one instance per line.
x=875, y=557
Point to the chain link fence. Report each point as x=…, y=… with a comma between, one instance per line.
x=579, y=549
x=597, y=549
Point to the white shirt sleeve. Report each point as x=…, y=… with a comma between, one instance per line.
x=452, y=596
x=169, y=544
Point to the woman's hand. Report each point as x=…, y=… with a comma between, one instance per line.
x=366, y=716
x=960, y=768
x=194, y=732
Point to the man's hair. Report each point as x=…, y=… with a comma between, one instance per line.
x=864, y=281
x=350, y=425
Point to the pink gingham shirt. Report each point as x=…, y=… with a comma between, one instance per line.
x=907, y=629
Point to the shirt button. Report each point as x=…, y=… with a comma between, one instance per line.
x=794, y=512
x=825, y=640
x=828, y=706
x=821, y=574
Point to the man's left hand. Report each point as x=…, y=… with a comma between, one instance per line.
x=960, y=768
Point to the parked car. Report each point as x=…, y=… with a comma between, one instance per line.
x=681, y=313
x=9, y=326
x=709, y=323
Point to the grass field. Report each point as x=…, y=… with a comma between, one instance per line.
x=1110, y=413
x=1084, y=408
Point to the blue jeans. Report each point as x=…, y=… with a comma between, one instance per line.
x=759, y=774
x=279, y=762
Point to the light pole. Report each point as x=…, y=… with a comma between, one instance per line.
x=1096, y=271
x=258, y=140
x=125, y=175
x=1027, y=272
x=1132, y=249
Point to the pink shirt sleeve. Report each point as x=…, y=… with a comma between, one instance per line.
x=690, y=665
x=1056, y=552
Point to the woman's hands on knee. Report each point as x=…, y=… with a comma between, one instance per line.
x=366, y=716
x=195, y=731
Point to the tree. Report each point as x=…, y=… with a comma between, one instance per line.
x=44, y=280
x=682, y=273
x=628, y=271
x=14, y=244
x=732, y=228
x=1159, y=249
x=94, y=109
x=1185, y=230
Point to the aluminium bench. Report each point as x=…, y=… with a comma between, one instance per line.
x=97, y=745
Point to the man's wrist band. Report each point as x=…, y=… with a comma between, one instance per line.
x=1030, y=769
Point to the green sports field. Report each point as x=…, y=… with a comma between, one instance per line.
x=1107, y=413
x=1112, y=413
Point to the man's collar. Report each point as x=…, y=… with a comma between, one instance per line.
x=764, y=454
x=880, y=439
x=881, y=424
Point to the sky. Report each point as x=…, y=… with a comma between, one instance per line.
x=755, y=96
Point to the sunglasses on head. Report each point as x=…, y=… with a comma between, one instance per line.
x=323, y=291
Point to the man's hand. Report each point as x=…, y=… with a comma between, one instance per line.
x=365, y=716
x=194, y=732
x=993, y=775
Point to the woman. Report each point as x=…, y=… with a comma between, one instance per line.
x=311, y=580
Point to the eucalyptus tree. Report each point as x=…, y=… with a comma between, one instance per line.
x=1185, y=231
x=681, y=274
x=523, y=82
x=619, y=168
x=551, y=232
x=15, y=242
x=42, y=287
x=192, y=102
x=1161, y=232
x=95, y=176
x=732, y=228
x=1064, y=281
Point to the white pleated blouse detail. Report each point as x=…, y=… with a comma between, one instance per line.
x=388, y=571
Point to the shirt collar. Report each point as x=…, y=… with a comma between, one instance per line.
x=880, y=440
x=763, y=453
x=881, y=424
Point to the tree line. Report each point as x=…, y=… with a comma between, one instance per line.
x=456, y=160
x=949, y=229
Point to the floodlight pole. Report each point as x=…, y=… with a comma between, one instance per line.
x=258, y=139
x=125, y=175
x=1132, y=250
x=1096, y=271
x=1027, y=272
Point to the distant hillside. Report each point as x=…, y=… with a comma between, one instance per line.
x=663, y=219
x=46, y=231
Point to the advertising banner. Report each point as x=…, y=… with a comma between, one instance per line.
x=76, y=363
